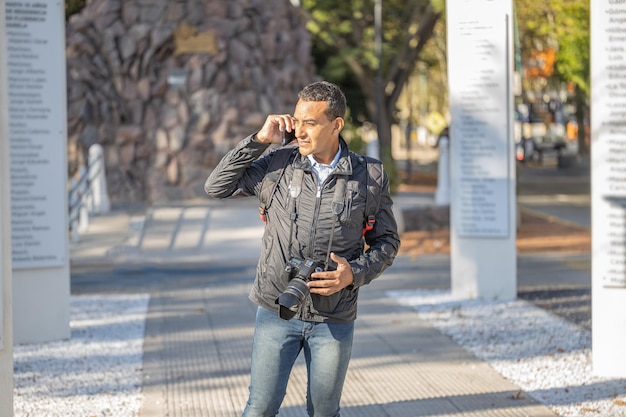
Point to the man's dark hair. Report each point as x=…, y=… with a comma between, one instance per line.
x=325, y=91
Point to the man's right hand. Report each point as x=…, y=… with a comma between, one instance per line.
x=272, y=130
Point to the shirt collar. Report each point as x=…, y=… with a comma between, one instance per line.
x=332, y=164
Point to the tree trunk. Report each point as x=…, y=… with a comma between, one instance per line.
x=385, y=146
x=581, y=110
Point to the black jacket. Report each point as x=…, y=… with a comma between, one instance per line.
x=243, y=172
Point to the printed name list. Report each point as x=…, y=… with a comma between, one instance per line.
x=36, y=108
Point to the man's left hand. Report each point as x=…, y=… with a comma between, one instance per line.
x=330, y=282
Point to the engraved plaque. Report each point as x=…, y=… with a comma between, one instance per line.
x=480, y=98
x=37, y=132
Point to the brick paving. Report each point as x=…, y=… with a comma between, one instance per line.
x=197, y=263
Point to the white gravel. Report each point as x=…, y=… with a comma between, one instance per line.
x=97, y=373
x=547, y=356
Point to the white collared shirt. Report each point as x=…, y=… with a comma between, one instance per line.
x=323, y=170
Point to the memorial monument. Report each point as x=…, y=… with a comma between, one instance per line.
x=608, y=187
x=6, y=313
x=35, y=46
x=482, y=161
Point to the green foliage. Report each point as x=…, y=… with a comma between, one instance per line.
x=559, y=24
x=564, y=26
x=439, y=5
x=344, y=46
x=573, y=57
x=73, y=7
x=355, y=141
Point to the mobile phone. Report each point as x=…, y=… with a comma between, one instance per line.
x=288, y=137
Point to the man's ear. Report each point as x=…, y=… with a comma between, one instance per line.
x=339, y=123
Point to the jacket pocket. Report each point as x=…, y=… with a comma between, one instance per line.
x=354, y=205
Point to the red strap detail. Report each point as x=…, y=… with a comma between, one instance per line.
x=262, y=214
x=369, y=225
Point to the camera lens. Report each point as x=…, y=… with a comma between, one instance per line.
x=289, y=301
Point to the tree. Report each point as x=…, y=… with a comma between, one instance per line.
x=564, y=26
x=573, y=57
x=343, y=36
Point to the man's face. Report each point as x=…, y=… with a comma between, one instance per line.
x=316, y=135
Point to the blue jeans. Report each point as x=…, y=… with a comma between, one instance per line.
x=277, y=343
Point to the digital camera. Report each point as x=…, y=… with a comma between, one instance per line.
x=298, y=272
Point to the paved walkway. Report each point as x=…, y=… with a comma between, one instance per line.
x=197, y=261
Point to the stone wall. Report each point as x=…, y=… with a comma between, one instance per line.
x=168, y=87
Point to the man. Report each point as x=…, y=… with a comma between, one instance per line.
x=318, y=201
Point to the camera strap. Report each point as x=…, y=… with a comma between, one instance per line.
x=295, y=188
x=337, y=207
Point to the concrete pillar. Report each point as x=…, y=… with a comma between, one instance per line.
x=37, y=133
x=82, y=197
x=482, y=160
x=608, y=190
x=97, y=181
x=6, y=306
x=442, y=195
